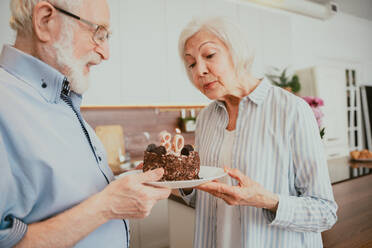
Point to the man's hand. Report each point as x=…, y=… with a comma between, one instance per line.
x=139, y=166
x=248, y=192
x=130, y=198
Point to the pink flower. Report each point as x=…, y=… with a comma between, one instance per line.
x=320, y=123
x=315, y=104
x=313, y=101
x=318, y=113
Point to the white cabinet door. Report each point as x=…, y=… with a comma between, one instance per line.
x=329, y=83
x=181, y=225
x=152, y=231
x=331, y=87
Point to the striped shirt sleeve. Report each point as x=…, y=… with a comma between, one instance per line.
x=12, y=229
x=12, y=234
x=190, y=198
x=313, y=209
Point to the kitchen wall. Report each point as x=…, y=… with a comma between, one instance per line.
x=144, y=67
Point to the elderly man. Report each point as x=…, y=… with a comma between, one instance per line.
x=56, y=187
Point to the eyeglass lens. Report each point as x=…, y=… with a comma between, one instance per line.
x=101, y=35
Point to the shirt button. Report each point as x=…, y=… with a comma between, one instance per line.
x=44, y=85
x=99, y=158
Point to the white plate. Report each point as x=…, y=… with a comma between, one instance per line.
x=206, y=174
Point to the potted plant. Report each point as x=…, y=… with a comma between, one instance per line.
x=281, y=79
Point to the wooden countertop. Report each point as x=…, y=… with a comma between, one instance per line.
x=354, y=225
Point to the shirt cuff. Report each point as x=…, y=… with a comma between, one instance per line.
x=15, y=233
x=188, y=198
x=284, y=213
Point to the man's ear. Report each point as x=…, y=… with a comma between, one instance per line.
x=45, y=22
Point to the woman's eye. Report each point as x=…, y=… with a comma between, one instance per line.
x=210, y=56
x=192, y=65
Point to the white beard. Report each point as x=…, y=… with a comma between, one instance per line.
x=64, y=50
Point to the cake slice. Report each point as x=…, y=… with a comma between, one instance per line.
x=178, y=165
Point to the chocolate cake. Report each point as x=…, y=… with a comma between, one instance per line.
x=184, y=166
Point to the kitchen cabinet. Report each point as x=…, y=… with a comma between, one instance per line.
x=152, y=231
x=181, y=224
x=329, y=83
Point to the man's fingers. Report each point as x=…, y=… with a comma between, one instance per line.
x=151, y=175
x=139, y=166
x=156, y=193
x=160, y=193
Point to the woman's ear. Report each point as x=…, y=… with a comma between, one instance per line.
x=44, y=20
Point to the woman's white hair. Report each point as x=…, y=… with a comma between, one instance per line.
x=228, y=32
x=21, y=10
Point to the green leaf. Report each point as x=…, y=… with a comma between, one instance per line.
x=295, y=84
x=283, y=77
x=322, y=132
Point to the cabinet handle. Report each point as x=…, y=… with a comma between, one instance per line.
x=333, y=154
x=332, y=139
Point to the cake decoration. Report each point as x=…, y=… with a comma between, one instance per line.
x=180, y=161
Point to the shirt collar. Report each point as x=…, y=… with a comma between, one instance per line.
x=39, y=75
x=257, y=96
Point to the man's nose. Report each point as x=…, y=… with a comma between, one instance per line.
x=104, y=50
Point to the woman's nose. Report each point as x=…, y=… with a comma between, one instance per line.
x=202, y=68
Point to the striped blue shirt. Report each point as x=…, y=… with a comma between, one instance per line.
x=277, y=144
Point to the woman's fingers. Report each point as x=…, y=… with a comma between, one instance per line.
x=238, y=175
x=229, y=200
x=216, y=188
x=207, y=186
x=224, y=192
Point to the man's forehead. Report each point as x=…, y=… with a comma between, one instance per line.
x=96, y=11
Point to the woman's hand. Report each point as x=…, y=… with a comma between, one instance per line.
x=248, y=192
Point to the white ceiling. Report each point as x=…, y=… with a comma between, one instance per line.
x=359, y=8
x=320, y=1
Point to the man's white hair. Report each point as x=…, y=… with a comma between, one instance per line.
x=21, y=10
x=228, y=32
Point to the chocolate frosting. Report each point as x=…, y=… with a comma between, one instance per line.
x=176, y=168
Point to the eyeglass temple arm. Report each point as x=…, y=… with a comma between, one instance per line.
x=67, y=13
x=74, y=16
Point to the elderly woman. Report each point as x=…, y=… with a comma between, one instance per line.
x=278, y=192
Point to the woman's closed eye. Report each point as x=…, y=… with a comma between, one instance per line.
x=209, y=56
x=192, y=65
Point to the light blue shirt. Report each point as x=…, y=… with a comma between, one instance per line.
x=47, y=164
x=277, y=144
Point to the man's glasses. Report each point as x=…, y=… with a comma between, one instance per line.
x=100, y=35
